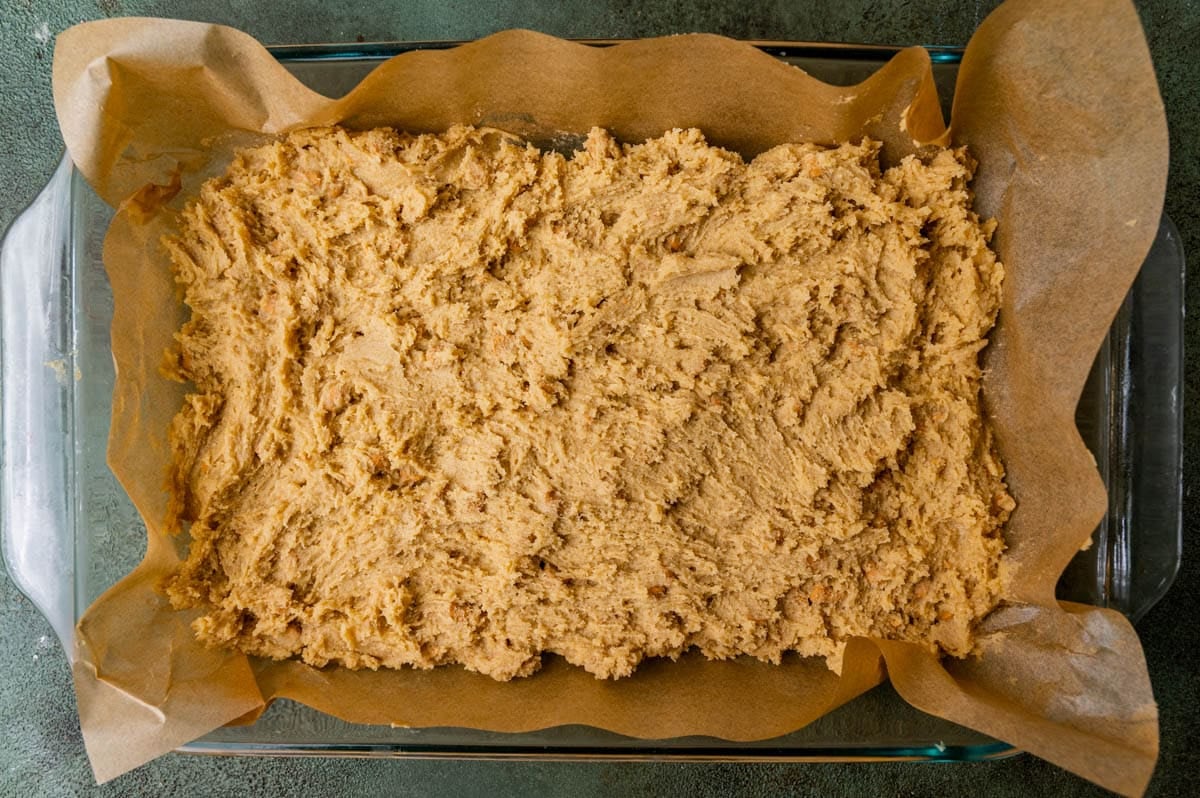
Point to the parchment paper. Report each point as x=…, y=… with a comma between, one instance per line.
x=1057, y=101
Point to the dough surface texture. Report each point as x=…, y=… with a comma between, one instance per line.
x=458, y=400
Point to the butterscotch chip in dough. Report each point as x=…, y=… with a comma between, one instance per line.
x=457, y=400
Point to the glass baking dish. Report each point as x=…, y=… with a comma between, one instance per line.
x=69, y=531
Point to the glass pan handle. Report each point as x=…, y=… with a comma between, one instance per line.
x=1147, y=501
x=37, y=375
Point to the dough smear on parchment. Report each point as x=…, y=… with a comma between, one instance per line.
x=460, y=400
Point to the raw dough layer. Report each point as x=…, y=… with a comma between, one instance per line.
x=460, y=400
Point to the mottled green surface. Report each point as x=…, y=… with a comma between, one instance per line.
x=40, y=748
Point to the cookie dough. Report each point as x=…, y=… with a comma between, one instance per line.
x=457, y=400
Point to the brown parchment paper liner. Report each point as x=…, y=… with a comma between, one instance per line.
x=1061, y=108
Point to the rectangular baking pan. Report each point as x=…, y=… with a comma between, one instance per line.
x=69, y=531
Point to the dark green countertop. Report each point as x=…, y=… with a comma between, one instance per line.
x=41, y=752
